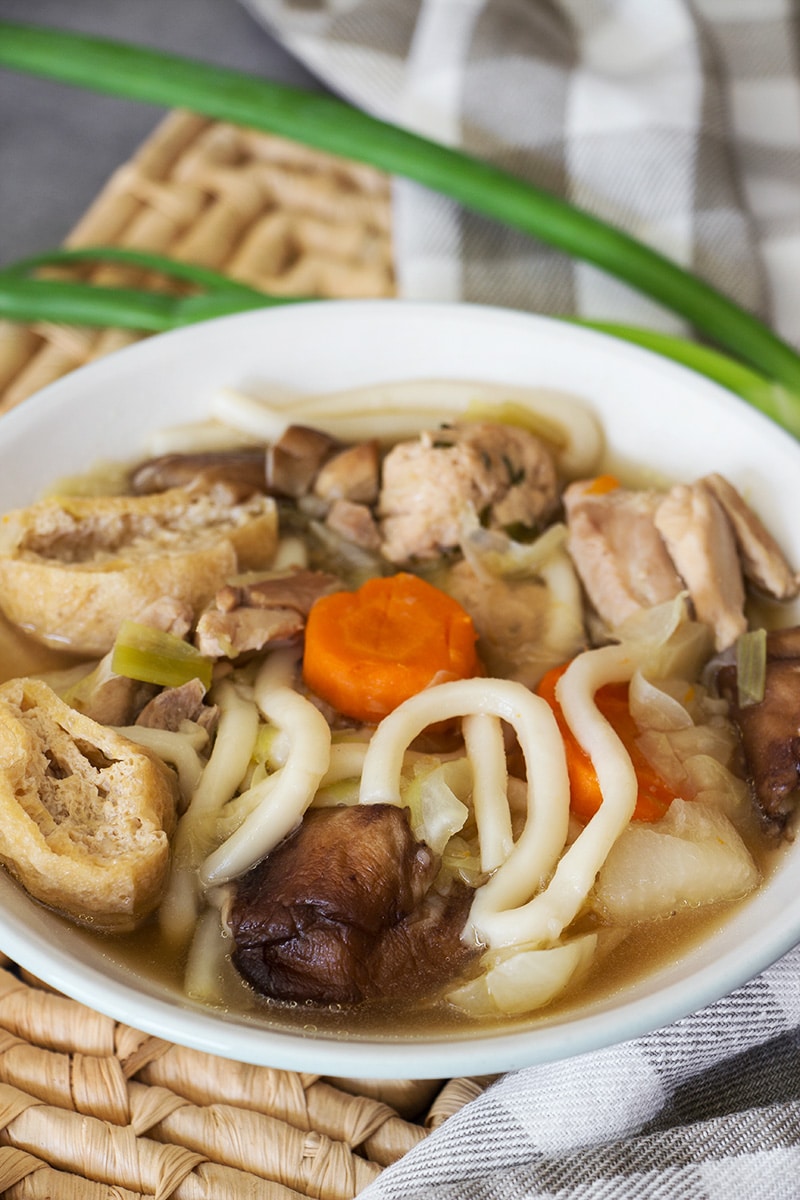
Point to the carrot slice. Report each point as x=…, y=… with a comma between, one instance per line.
x=654, y=796
x=601, y=485
x=368, y=651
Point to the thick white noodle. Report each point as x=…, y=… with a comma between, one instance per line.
x=206, y=960
x=565, y=627
x=276, y=671
x=486, y=751
x=282, y=801
x=401, y=409
x=196, y=437
x=179, y=749
x=224, y=771
x=543, y=918
x=547, y=824
x=346, y=762
x=249, y=415
x=230, y=757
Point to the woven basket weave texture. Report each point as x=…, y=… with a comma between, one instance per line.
x=283, y=218
x=91, y=1109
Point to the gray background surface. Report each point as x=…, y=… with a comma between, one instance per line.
x=59, y=144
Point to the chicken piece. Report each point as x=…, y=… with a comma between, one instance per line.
x=355, y=523
x=294, y=460
x=503, y=473
x=520, y=634
x=617, y=550
x=296, y=588
x=769, y=730
x=247, y=617
x=352, y=474
x=176, y=704
x=701, y=544
x=343, y=911
x=763, y=561
x=245, y=630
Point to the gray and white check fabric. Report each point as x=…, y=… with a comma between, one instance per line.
x=678, y=120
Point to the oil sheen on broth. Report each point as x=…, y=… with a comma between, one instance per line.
x=646, y=947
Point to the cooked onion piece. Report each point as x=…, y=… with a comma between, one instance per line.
x=692, y=856
x=518, y=980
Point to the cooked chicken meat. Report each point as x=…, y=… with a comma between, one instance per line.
x=174, y=705
x=352, y=474
x=700, y=541
x=502, y=473
x=769, y=730
x=355, y=523
x=617, y=550
x=763, y=561
x=522, y=630
x=345, y=910
x=294, y=460
x=247, y=617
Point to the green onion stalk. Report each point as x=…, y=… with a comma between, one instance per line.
x=331, y=125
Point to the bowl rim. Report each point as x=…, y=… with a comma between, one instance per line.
x=373, y=1057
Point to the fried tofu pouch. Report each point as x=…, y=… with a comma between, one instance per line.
x=86, y=816
x=72, y=568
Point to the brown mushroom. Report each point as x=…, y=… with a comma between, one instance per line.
x=243, y=467
x=345, y=910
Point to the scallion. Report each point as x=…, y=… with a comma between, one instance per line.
x=187, y=272
x=772, y=399
x=153, y=656
x=751, y=667
x=23, y=299
x=331, y=125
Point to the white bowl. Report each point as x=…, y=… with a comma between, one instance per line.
x=653, y=412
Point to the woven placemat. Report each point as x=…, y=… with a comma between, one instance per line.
x=271, y=213
x=90, y=1108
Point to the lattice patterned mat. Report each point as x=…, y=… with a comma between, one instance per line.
x=92, y=1109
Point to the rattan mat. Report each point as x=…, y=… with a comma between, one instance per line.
x=90, y=1108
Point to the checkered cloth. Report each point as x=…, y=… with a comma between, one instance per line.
x=677, y=120
x=680, y=121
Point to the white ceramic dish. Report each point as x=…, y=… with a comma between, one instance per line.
x=653, y=412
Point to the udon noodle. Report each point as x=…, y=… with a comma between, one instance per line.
x=485, y=765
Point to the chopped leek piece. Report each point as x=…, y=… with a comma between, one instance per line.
x=751, y=667
x=152, y=656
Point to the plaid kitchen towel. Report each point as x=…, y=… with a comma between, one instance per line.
x=679, y=120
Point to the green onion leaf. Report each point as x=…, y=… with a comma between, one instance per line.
x=751, y=667
x=772, y=399
x=23, y=299
x=329, y=124
x=147, y=260
x=152, y=656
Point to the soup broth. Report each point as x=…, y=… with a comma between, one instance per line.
x=471, y=755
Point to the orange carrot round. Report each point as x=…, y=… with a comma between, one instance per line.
x=654, y=797
x=368, y=651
